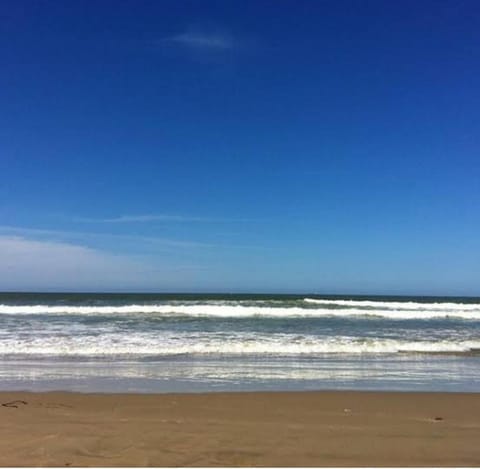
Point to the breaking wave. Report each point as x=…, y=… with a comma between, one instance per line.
x=204, y=344
x=407, y=305
x=309, y=308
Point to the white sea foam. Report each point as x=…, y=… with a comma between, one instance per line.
x=148, y=344
x=397, y=305
x=387, y=310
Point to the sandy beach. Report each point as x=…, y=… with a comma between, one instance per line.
x=240, y=429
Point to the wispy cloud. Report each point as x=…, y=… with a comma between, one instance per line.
x=159, y=217
x=202, y=41
x=32, y=264
x=145, y=218
x=137, y=240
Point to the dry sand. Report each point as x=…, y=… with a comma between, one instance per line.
x=240, y=429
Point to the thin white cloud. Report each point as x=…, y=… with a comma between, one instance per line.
x=144, y=218
x=155, y=217
x=56, y=235
x=30, y=264
x=202, y=41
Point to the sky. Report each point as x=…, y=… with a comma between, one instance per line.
x=240, y=146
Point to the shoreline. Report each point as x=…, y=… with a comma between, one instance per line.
x=298, y=428
x=239, y=392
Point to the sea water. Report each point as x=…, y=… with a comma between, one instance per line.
x=197, y=343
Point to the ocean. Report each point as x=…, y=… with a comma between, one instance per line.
x=202, y=343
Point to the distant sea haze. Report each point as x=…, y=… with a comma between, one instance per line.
x=160, y=343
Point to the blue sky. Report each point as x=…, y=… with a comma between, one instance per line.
x=275, y=146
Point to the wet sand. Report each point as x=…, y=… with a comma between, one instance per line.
x=240, y=429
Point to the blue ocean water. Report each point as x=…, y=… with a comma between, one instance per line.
x=193, y=343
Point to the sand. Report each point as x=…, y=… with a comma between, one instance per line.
x=240, y=429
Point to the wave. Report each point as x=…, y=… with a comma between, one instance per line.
x=136, y=345
x=427, y=311
x=398, y=305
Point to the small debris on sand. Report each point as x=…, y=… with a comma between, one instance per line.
x=14, y=404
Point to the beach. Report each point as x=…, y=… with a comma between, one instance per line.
x=329, y=428
x=238, y=380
